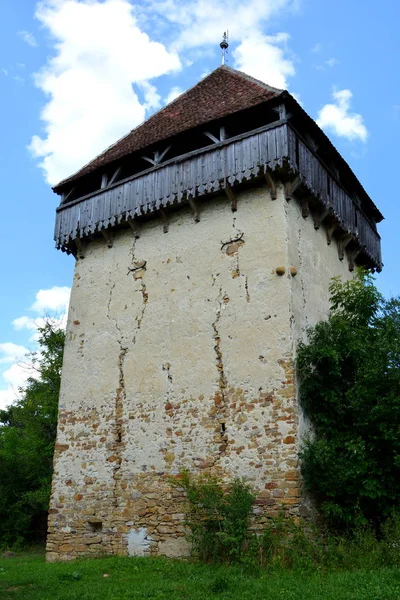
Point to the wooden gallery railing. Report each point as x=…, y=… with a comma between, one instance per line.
x=209, y=170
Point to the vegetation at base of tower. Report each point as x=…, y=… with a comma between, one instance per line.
x=218, y=517
x=27, y=436
x=360, y=569
x=350, y=391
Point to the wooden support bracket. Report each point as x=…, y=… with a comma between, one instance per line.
x=114, y=175
x=80, y=248
x=272, y=184
x=305, y=209
x=291, y=187
x=134, y=225
x=352, y=257
x=212, y=137
x=195, y=210
x=64, y=196
x=281, y=110
x=330, y=231
x=104, y=181
x=232, y=197
x=108, y=236
x=158, y=156
x=320, y=217
x=342, y=243
x=164, y=219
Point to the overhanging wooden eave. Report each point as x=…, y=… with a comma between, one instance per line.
x=208, y=170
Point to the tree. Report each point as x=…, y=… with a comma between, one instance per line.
x=350, y=390
x=27, y=437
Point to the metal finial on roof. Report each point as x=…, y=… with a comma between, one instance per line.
x=224, y=46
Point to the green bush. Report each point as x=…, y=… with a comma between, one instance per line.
x=27, y=437
x=350, y=390
x=218, y=517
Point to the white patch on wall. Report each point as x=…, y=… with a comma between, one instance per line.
x=139, y=542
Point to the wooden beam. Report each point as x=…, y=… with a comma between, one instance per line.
x=108, y=236
x=231, y=196
x=163, y=153
x=291, y=187
x=330, y=231
x=305, y=209
x=115, y=175
x=352, y=257
x=134, y=225
x=342, y=243
x=157, y=156
x=150, y=160
x=222, y=133
x=281, y=110
x=164, y=219
x=80, y=248
x=64, y=196
x=271, y=183
x=104, y=181
x=320, y=217
x=195, y=210
x=212, y=137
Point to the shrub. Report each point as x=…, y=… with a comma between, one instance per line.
x=218, y=517
x=350, y=391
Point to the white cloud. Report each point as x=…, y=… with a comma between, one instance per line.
x=28, y=37
x=173, y=94
x=100, y=52
x=317, y=48
x=9, y=352
x=53, y=299
x=262, y=57
x=200, y=24
x=331, y=62
x=338, y=119
x=52, y=303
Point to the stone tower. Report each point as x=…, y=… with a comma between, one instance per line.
x=205, y=241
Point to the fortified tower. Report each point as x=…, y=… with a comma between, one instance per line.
x=205, y=241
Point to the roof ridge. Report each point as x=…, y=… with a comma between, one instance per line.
x=252, y=79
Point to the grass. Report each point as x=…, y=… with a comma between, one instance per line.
x=29, y=577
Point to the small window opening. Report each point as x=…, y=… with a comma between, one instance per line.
x=95, y=525
x=223, y=428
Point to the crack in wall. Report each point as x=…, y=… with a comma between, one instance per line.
x=303, y=292
x=139, y=319
x=120, y=397
x=220, y=396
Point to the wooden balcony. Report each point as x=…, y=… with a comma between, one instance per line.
x=275, y=152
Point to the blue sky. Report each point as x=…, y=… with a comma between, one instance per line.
x=75, y=75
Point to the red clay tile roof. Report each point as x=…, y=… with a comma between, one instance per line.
x=223, y=92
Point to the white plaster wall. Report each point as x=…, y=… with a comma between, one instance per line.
x=170, y=338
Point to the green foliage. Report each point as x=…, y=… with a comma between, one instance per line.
x=350, y=391
x=218, y=518
x=27, y=436
x=31, y=578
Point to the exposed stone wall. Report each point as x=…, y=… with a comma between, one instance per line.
x=180, y=354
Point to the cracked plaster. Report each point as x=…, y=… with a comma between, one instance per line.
x=187, y=361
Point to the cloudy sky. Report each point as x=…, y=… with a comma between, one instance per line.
x=76, y=75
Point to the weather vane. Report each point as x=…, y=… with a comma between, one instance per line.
x=224, y=47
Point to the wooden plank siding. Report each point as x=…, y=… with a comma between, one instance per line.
x=209, y=170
